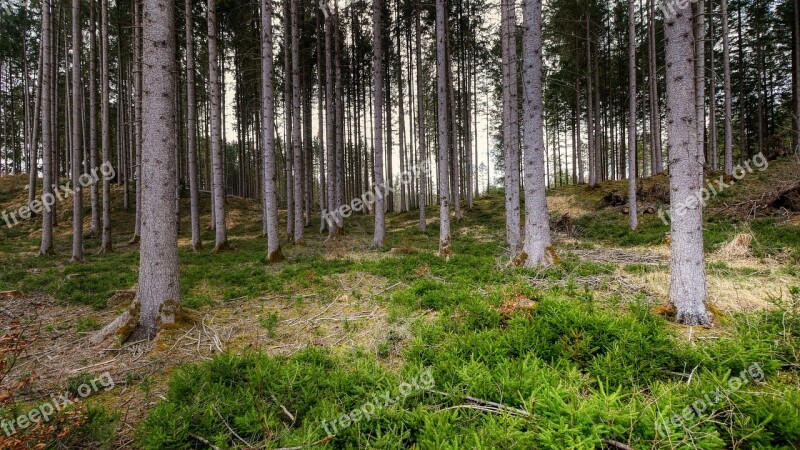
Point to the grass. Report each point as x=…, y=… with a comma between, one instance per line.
x=587, y=365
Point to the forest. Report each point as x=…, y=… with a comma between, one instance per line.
x=428, y=224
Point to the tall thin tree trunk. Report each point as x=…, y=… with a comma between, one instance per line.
x=538, y=248
x=33, y=172
x=797, y=73
x=377, y=80
x=191, y=128
x=77, y=137
x=655, y=110
x=687, y=280
x=726, y=64
x=268, y=135
x=218, y=183
x=510, y=125
x=105, y=125
x=423, y=145
x=95, y=193
x=634, y=220
x=335, y=223
x=46, y=248
x=700, y=74
x=137, y=86
x=712, y=94
x=297, y=144
x=444, y=146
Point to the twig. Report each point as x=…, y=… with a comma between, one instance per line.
x=487, y=403
x=283, y=408
x=247, y=444
x=617, y=444
x=204, y=441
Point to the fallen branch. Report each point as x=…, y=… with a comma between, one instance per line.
x=489, y=404
x=617, y=444
x=204, y=441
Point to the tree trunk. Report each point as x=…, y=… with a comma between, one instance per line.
x=444, y=146
x=95, y=193
x=797, y=74
x=726, y=63
x=137, y=86
x=77, y=138
x=632, y=206
x=335, y=223
x=687, y=281
x=510, y=126
x=423, y=145
x=191, y=127
x=105, y=125
x=655, y=110
x=46, y=248
x=377, y=80
x=700, y=74
x=218, y=182
x=159, y=283
x=538, y=248
x=268, y=135
x=297, y=144
x=37, y=114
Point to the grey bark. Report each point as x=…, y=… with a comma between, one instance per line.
x=510, y=125
x=93, y=156
x=726, y=64
x=538, y=248
x=700, y=74
x=634, y=220
x=191, y=127
x=377, y=80
x=218, y=182
x=77, y=137
x=105, y=125
x=268, y=135
x=137, y=86
x=159, y=282
x=687, y=278
x=444, y=147
x=46, y=248
x=297, y=144
x=34, y=146
x=656, y=160
x=423, y=145
x=335, y=224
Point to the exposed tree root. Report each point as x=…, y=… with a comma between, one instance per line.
x=122, y=327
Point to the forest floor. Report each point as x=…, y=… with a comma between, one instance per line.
x=579, y=355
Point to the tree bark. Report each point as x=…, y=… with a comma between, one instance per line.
x=46, y=248
x=377, y=80
x=423, y=145
x=191, y=127
x=687, y=279
x=77, y=138
x=632, y=206
x=444, y=147
x=105, y=125
x=159, y=283
x=268, y=135
x=538, y=249
x=510, y=125
x=700, y=74
x=297, y=144
x=726, y=64
x=218, y=182
x=93, y=157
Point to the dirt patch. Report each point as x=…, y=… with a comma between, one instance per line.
x=347, y=317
